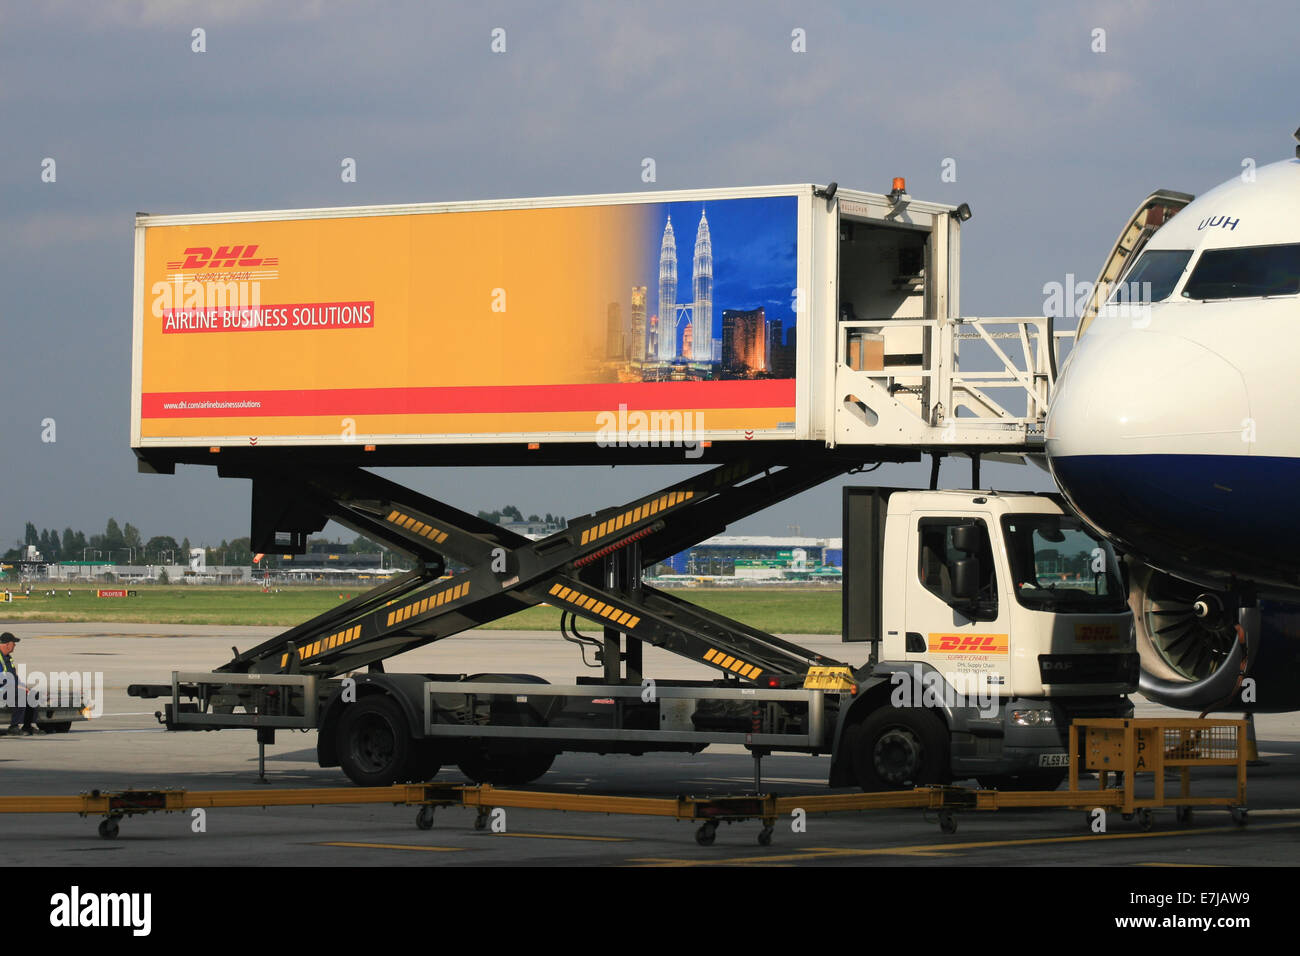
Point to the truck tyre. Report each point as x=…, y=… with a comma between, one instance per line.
x=57, y=727
x=900, y=747
x=1040, y=782
x=423, y=762
x=504, y=770
x=374, y=742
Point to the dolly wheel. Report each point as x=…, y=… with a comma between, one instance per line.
x=764, y=836
x=947, y=821
x=108, y=828
x=424, y=818
x=1144, y=819
x=1238, y=815
x=706, y=834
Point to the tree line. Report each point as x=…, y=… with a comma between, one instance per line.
x=124, y=544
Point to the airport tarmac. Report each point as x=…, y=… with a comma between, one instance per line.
x=125, y=748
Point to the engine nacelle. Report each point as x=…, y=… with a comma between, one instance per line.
x=1191, y=652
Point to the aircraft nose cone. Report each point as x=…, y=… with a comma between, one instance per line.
x=1148, y=393
x=1139, y=420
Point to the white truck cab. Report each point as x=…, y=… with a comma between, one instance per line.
x=996, y=619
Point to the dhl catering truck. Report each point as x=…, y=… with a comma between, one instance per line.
x=776, y=337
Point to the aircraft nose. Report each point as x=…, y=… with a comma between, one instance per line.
x=1148, y=393
x=1135, y=415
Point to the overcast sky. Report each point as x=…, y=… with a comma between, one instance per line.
x=1054, y=146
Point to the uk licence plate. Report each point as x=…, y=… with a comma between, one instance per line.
x=1053, y=760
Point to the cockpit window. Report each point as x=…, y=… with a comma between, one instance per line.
x=1246, y=272
x=1153, y=277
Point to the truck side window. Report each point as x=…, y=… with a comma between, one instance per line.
x=937, y=556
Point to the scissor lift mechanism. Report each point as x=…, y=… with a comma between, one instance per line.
x=591, y=570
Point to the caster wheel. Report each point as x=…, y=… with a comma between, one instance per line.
x=424, y=818
x=706, y=834
x=1183, y=814
x=1238, y=815
x=948, y=822
x=765, y=836
x=108, y=828
x=1144, y=819
x=481, y=821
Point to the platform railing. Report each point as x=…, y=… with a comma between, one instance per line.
x=950, y=391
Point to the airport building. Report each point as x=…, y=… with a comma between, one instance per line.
x=742, y=559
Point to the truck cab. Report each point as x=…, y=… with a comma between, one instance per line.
x=995, y=619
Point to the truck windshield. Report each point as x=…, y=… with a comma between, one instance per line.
x=1057, y=565
x=1248, y=272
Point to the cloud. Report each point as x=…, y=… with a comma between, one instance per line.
x=54, y=228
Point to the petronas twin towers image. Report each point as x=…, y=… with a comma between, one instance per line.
x=700, y=317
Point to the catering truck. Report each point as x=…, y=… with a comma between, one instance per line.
x=819, y=333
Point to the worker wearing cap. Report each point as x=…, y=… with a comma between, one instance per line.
x=23, y=713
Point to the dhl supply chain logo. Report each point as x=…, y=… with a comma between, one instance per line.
x=1096, y=633
x=223, y=257
x=968, y=644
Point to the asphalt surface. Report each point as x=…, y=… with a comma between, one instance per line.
x=125, y=748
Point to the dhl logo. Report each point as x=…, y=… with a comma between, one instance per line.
x=968, y=643
x=1095, y=633
x=224, y=257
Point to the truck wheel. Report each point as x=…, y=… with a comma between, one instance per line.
x=504, y=769
x=707, y=833
x=423, y=762
x=57, y=727
x=374, y=742
x=1040, y=782
x=899, y=747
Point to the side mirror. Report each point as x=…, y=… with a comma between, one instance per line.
x=966, y=579
x=966, y=538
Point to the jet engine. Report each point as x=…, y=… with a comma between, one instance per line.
x=1193, y=640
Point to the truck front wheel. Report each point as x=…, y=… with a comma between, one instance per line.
x=374, y=742
x=900, y=747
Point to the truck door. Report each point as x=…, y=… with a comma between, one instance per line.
x=964, y=637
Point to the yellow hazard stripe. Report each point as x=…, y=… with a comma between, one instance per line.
x=633, y=515
x=415, y=526
x=425, y=604
x=335, y=640
x=594, y=606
